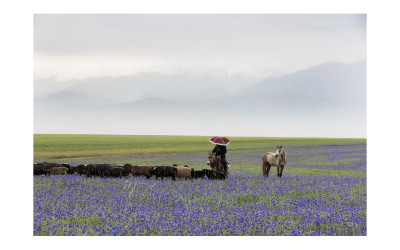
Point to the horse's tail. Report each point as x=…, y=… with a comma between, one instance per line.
x=284, y=158
x=263, y=167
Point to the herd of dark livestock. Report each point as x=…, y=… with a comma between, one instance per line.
x=115, y=170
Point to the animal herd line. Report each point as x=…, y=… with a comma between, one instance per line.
x=119, y=170
x=217, y=172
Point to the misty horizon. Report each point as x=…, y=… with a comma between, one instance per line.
x=227, y=75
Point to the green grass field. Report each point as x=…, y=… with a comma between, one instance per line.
x=244, y=153
x=75, y=146
x=322, y=190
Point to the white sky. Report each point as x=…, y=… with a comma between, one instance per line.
x=70, y=47
x=243, y=48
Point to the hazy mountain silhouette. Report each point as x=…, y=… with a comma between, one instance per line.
x=145, y=85
x=330, y=85
x=327, y=97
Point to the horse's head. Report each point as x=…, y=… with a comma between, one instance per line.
x=210, y=159
x=279, y=151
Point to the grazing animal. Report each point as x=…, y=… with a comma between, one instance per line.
x=277, y=159
x=66, y=165
x=39, y=169
x=97, y=170
x=198, y=174
x=183, y=172
x=216, y=164
x=57, y=171
x=43, y=167
x=118, y=171
x=101, y=170
x=87, y=170
x=80, y=169
x=128, y=167
x=139, y=170
x=212, y=175
x=163, y=171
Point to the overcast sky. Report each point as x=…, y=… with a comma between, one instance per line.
x=70, y=47
x=85, y=64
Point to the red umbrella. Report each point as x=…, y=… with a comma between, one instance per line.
x=219, y=140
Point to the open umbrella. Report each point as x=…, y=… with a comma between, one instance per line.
x=219, y=140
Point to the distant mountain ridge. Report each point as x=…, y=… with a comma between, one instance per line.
x=334, y=93
x=328, y=80
x=326, y=85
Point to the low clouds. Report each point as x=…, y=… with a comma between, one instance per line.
x=200, y=74
x=84, y=46
x=327, y=100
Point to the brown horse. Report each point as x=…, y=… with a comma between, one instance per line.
x=216, y=164
x=277, y=159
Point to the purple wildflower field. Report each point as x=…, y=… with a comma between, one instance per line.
x=322, y=192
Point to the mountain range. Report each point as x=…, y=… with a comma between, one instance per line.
x=318, y=101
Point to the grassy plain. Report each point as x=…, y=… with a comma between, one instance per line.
x=244, y=153
x=74, y=146
x=322, y=190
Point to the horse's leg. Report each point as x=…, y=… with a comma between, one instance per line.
x=278, y=169
x=268, y=168
x=224, y=164
x=263, y=168
x=281, y=170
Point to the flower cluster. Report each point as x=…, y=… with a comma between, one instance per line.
x=299, y=203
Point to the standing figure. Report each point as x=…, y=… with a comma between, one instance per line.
x=220, y=150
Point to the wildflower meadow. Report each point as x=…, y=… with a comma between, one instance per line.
x=322, y=190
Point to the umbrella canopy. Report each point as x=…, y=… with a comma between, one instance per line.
x=220, y=140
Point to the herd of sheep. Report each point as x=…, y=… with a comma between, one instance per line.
x=116, y=170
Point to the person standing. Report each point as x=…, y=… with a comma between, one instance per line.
x=220, y=150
